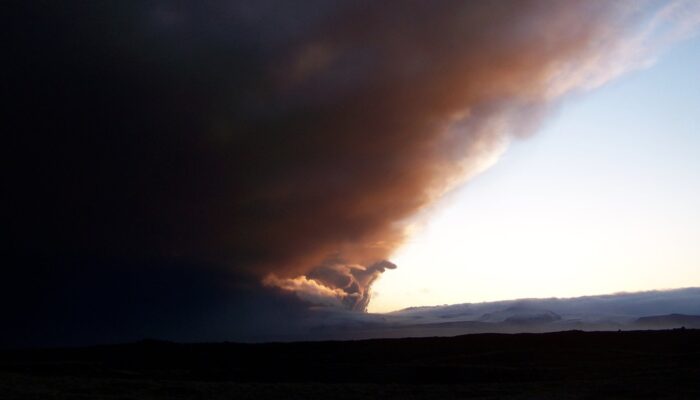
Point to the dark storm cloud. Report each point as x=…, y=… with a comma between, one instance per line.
x=263, y=138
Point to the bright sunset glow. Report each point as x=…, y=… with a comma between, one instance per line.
x=604, y=199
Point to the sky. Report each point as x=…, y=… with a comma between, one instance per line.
x=603, y=199
x=230, y=170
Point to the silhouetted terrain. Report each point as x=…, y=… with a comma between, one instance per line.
x=573, y=364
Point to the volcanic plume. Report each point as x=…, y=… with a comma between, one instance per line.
x=286, y=141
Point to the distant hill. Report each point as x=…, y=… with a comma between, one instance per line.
x=669, y=321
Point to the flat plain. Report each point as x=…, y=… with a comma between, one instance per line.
x=568, y=365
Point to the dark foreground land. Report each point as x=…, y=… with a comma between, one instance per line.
x=569, y=365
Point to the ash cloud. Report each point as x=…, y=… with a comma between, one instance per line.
x=263, y=139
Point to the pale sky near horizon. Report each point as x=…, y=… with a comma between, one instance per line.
x=604, y=198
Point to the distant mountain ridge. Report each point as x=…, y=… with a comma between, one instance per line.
x=667, y=309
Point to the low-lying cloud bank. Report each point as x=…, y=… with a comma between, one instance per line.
x=666, y=309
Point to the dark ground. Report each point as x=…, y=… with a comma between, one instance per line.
x=569, y=365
